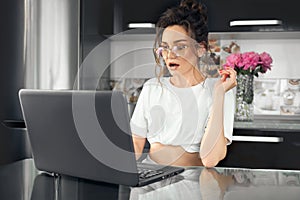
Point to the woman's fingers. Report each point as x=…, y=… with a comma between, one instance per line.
x=228, y=77
x=224, y=74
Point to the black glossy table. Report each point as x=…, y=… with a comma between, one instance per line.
x=21, y=181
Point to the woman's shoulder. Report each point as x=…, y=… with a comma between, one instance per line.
x=151, y=81
x=156, y=82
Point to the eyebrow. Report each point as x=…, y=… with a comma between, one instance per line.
x=176, y=41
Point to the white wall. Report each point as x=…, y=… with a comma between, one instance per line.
x=132, y=58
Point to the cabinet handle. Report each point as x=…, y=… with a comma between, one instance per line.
x=257, y=139
x=255, y=22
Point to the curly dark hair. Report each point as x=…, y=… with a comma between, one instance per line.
x=192, y=16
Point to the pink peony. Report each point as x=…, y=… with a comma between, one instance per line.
x=266, y=61
x=233, y=60
x=249, y=62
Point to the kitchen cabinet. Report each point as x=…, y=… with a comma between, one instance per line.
x=264, y=148
x=137, y=11
x=97, y=23
x=221, y=13
x=108, y=17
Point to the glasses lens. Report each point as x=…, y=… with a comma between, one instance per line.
x=178, y=50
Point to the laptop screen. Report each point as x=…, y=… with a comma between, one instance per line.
x=80, y=133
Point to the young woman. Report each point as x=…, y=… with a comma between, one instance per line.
x=186, y=117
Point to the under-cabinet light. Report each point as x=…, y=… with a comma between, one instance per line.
x=255, y=22
x=141, y=25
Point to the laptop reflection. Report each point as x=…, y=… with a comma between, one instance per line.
x=49, y=187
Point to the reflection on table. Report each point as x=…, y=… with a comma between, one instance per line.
x=224, y=183
x=20, y=180
x=49, y=187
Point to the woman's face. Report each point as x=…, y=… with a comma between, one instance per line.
x=180, y=52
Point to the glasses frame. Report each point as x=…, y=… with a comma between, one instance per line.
x=174, y=49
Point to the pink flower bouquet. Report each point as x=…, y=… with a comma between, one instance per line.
x=249, y=62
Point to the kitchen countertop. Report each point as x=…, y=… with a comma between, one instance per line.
x=258, y=123
x=274, y=124
x=20, y=180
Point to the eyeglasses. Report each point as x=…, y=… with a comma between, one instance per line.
x=178, y=50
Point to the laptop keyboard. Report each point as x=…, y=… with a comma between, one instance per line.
x=147, y=173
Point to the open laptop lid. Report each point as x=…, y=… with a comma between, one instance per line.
x=81, y=133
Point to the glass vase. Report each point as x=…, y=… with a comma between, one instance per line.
x=244, y=98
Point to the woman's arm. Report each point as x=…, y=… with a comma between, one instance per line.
x=214, y=144
x=139, y=144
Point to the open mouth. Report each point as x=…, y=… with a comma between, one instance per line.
x=173, y=65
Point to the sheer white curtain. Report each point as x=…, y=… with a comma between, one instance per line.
x=52, y=43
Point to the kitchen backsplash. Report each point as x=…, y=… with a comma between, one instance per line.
x=277, y=97
x=271, y=96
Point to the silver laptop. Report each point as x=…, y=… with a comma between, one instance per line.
x=86, y=134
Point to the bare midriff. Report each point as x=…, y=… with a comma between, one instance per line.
x=173, y=155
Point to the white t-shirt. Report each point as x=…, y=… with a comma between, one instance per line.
x=178, y=116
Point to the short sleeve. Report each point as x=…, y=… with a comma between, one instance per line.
x=229, y=109
x=138, y=122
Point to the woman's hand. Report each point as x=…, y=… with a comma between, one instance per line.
x=228, y=78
